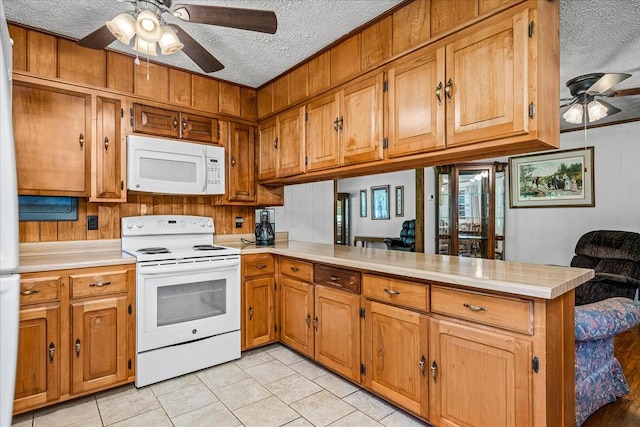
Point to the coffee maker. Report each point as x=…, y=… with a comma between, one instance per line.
x=265, y=226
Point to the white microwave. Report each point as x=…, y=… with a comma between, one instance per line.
x=166, y=166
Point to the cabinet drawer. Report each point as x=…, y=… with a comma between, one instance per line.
x=508, y=313
x=298, y=269
x=87, y=285
x=399, y=292
x=337, y=277
x=39, y=289
x=258, y=265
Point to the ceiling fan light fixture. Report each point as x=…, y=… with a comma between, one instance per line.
x=169, y=42
x=596, y=111
x=574, y=114
x=146, y=48
x=148, y=27
x=123, y=27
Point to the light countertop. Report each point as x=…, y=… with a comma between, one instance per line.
x=532, y=280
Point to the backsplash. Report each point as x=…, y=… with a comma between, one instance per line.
x=109, y=215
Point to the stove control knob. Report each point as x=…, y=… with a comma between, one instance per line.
x=201, y=222
x=129, y=225
x=209, y=223
x=139, y=224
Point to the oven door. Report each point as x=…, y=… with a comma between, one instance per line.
x=186, y=305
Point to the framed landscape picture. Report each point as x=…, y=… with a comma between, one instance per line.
x=380, y=202
x=363, y=203
x=558, y=179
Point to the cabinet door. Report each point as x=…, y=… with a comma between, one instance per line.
x=268, y=150
x=489, y=85
x=337, y=324
x=156, y=121
x=361, y=121
x=241, y=178
x=259, y=311
x=478, y=377
x=396, y=354
x=416, y=104
x=109, y=169
x=199, y=128
x=291, y=149
x=38, y=368
x=52, y=132
x=98, y=343
x=322, y=128
x=297, y=315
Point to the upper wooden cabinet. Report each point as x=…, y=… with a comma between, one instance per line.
x=241, y=184
x=267, y=153
x=281, y=148
x=52, y=132
x=175, y=124
x=109, y=171
x=416, y=103
x=323, y=132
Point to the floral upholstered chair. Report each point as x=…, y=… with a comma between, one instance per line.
x=599, y=377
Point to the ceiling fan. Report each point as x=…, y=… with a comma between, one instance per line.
x=146, y=27
x=584, y=91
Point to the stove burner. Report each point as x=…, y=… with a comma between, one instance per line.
x=207, y=248
x=153, y=251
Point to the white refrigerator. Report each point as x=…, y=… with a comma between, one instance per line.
x=9, y=280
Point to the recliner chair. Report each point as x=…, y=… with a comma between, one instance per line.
x=407, y=240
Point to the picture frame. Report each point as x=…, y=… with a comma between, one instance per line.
x=363, y=203
x=380, y=202
x=553, y=179
x=400, y=200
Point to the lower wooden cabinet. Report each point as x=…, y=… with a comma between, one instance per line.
x=257, y=312
x=478, y=377
x=297, y=314
x=76, y=334
x=395, y=356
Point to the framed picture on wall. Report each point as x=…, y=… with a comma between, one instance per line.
x=557, y=179
x=400, y=200
x=363, y=203
x=380, y=202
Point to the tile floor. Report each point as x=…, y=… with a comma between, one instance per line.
x=269, y=386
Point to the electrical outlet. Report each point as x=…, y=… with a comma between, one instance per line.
x=92, y=222
x=239, y=221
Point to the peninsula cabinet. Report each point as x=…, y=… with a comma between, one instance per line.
x=296, y=305
x=281, y=147
x=52, y=133
x=76, y=334
x=174, y=124
x=258, y=300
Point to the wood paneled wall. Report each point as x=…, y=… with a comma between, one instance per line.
x=109, y=215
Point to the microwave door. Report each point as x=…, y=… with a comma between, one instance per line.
x=168, y=172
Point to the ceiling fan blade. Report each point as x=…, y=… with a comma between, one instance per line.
x=196, y=52
x=611, y=110
x=606, y=82
x=567, y=99
x=626, y=92
x=99, y=39
x=263, y=21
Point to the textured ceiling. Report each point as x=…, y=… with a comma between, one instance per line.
x=595, y=36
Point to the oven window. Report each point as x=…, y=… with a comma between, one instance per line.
x=191, y=301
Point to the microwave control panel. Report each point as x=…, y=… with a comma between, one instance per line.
x=215, y=171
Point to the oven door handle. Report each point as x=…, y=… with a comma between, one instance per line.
x=212, y=266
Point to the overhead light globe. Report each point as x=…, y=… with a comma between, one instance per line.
x=144, y=47
x=169, y=42
x=123, y=27
x=148, y=27
x=574, y=114
x=596, y=111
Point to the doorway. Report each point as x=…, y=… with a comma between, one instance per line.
x=342, y=214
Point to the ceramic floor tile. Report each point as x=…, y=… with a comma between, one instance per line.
x=322, y=408
x=245, y=392
x=22, y=420
x=402, y=419
x=211, y=415
x=252, y=359
x=222, y=375
x=308, y=369
x=371, y=405
x=155, y=418
x=175, y=384
x=293, y=388
x=269, y=412
x=285, y=355
x=298, y=422
x=269, y=372
x=187, y=399
x=78, y=412
x=103, y=396
x=336, y=385
x=128, y=406
x=272, y=347
x=356, y=418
